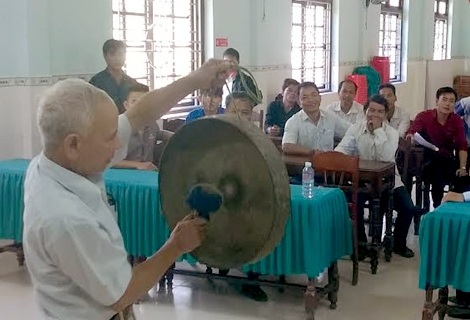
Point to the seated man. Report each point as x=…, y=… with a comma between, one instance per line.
x=241, y=104
x=312, y=129
x=374, y=139
x=397, y=117
x=210, y=100
x=140, y=154
x=444, y=129
x=346, y=108
x=279, y=111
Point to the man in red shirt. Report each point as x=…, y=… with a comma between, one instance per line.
x=446, y=131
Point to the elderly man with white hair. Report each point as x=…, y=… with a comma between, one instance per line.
x=73, y=246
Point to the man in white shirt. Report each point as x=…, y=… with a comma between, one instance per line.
x=346, y=108
x=312, y=129
x=73, y=246
x=374, y=139
x=397, y=117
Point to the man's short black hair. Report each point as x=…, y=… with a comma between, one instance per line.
x=389, y=86
x=377, y=98
x=212, y=92
x=111, y=45
x=232, y=52
x=306, y=85
x=289, y=82
x=347, y=81
x=240, y=95
x=445, y=90
x=137, y=87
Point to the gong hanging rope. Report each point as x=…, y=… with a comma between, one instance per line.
x=244, y=72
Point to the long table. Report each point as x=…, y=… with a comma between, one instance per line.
x=376, y=177
x=317, y=234
x=445, y=255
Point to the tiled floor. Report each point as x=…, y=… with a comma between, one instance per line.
x=392, y=294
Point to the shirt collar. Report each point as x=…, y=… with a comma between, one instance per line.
x=337, y=108
x=85, y=189
x=305, y=117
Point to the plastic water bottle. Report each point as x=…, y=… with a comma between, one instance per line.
x=308, y=180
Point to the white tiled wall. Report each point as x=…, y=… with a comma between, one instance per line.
x=19, y=97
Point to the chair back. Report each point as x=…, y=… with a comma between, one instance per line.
x=342, y=171
x=339, y=170
x=172, y=124
x=258, y=118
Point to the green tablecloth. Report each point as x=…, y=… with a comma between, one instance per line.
x=445, y=247
x=11, y=198
x=318, y=232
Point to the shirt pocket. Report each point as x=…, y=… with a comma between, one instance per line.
x=326, y=137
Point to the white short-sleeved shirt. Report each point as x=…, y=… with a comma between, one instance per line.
x=354, y=115
x=73, y=246
x=400, y=121
x=382, y=145
x=301, y=130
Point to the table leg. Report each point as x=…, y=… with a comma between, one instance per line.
x=388, y=241
x=169, y=276
x=429, y=307
x=419, y=192
x=312, y=298
x=439, y=306
x=376, y=225
x=333, y=285
x=442, y=302
x=20, y=256
x=16, y=248
x=426, y=200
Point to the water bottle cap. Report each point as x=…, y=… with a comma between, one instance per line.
x=308, y=164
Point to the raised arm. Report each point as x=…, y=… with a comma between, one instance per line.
x=348, y=143
x=404, y=124
x=417, y=126
x=156, y=103
x=386, y=144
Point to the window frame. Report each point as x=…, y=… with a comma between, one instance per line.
x=327, y=39
x=439, y=17
x=387, y=10
x=120, y=15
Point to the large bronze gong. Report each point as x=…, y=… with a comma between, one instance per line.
x=240, y=161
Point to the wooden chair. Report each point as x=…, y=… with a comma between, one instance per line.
x=172, y=124
x=258, y=118
x=160, y=146
x=342, y=171
x=402, y=159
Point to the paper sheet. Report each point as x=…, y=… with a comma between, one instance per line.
x=420, y=140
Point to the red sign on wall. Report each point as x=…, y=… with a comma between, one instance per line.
x=221, y=42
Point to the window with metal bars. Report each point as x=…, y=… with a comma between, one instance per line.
x=311, y=42
x=441, y=19
x=163, y=39
x=390, y=36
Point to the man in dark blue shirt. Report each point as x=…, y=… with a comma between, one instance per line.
x=280, y=111
x=113, y=80
x=210, y=100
